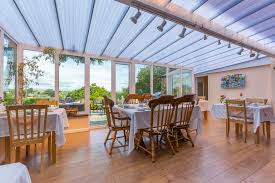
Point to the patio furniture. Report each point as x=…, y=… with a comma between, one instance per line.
x=133, y=99
x=14, y=173
x=116, y=124
x=161, y=116
x=183, y=111
x=27, y=125
x=47, y=102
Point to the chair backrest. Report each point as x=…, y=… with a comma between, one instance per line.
x=133, y=98
x=183, y=110
x=27, y=122
x=108, y=105
x=147, y=96
x=47, y=102
x=162, y=110
x=256, y=100
x=236, y=109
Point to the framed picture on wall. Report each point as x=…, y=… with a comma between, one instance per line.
x=233, y=81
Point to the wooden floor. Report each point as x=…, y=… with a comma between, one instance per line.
x=213, y=159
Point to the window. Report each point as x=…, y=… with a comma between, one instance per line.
x=174, y=82
x=159, y=80
x=122, y=82
x=186, y=82
x=142, y=79
x=71, y=82
x=38, y=77
x=9, y=66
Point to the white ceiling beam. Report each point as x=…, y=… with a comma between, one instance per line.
x=182, y=16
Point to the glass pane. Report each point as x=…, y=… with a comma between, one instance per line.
x=159, y=80
x=9, y=66
x=72, y=78
x=38, y=76
x=122, y=82
x=174, y=82
x=186, y=82
x=142, y=79
x=100, y=86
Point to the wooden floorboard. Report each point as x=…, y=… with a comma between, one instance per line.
x=214, y=159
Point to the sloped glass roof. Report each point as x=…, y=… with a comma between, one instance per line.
x=104, y=28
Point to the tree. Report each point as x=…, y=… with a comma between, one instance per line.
x=49, y=92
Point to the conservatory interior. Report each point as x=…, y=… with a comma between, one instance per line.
x=137, y=91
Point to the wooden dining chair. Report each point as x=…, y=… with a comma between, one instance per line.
x=27, y=126
x=183, y=111
x=160, y=118
x=116, y=124
x=236, y=112
x=256, y=100
x=133, y=98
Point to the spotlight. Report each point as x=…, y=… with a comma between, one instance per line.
x=182, y=34
x=257, y=56
x=240, y=52
x=219, y=42
x=205, y=37
x=229, y=45
x=135, y=18
x=161, y=26
x=252, y=54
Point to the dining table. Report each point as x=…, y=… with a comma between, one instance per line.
x=57, y=121
x=204, y=107
x=140, y=119
x=259, y=113
x=14, y=173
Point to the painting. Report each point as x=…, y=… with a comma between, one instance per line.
x=233, y=81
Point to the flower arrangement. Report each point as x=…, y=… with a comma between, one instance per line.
x=222, y=98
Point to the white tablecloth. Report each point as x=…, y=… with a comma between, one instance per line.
x=14, y=173
x=259, y=113
x=141, y=119
x=57, y=121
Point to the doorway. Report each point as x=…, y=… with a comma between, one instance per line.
x=202, y=86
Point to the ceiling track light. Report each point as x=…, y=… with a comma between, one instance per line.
x=182, y=34
x=229, y=45
x=162, y=25
x=219, y=42
x=240, y=52
x=252, y=54
x=205, y=37
x=135, y=18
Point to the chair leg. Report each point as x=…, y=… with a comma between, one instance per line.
x=227, y=128
x=257, y=136
x=125, y=137
x=264, y=128
x=42, y=158
x=268, y=129
x=113, y=142
x=28, y=148
x=245, y=133
x=140, y=133
x=107, y=137
x=17, y=154
x=153, y=148
x=8, y=150
x=170, y=143
x=50, y=147
x=189, y=137
x=177, y=141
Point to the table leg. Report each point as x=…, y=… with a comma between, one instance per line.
x=257, y=139
x=268, y=129
x=7, y=150
x=53, y=147
x=205, y=115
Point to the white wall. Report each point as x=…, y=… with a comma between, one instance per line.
x=258, y=84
